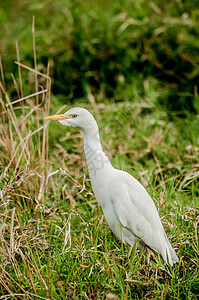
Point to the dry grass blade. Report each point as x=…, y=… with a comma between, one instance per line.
x=28, y=97
x=12, y=233
x=32, y=70
x=44, y=150
x=19, y=71
x=23, y=296
x=191, y=176
x=36, y=81
x=2, y=73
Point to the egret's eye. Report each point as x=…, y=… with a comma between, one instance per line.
x=74, y=116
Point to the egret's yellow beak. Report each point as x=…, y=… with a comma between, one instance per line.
x=58, y=117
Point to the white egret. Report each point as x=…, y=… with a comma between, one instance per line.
x=129, y=210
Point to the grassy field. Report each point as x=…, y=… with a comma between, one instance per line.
x=54, y=240
x=108, y=47
x=134, y=65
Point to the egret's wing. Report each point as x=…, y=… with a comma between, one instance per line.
x=136, y=210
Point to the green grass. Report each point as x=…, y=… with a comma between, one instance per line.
x=54, y=240
x=61, y=247
x=110, y=48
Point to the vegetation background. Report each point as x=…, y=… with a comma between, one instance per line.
x=135, y=66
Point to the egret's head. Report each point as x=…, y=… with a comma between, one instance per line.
x=76, y=117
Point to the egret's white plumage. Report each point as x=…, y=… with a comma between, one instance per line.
x=128, y=208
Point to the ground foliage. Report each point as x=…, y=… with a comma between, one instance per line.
x=54, y=241
x=110, y=47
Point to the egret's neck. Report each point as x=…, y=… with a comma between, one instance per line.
x=96, y=159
